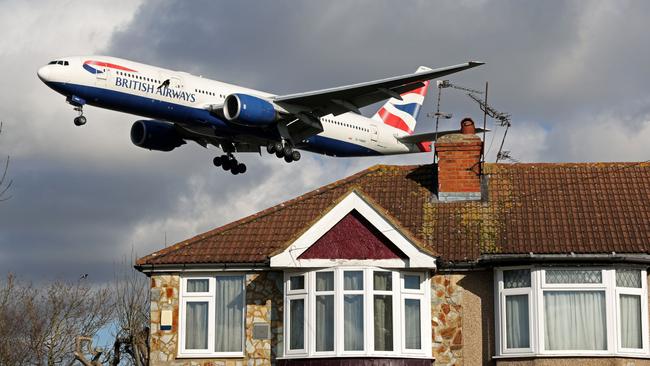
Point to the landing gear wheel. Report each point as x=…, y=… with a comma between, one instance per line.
x=295, y=155
x=241, y=167
x=226, y=164
x=80, y=121
x=279, y=153
x=288, y=150
x=288, y=158
x=216, y=161
x=270, y=148
x=278, y=147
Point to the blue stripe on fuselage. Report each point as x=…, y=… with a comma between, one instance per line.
x=166, y=111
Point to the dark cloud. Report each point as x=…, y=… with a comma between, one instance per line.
x=572, y=74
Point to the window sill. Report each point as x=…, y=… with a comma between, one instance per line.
x=573, y=355
x=210, y=355
x=302, y=356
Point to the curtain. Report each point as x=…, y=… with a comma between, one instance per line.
x=198, y=285
x=412, y=322
x=383, y=316
x=517, y=324
x=229, y=313
x=631, y=321
x=575, y=320
x=196, y=325
x=353, y=322
x=324, y=281
x=324, y=323
x=353, y=280
x=382, y=281
x=297, y=326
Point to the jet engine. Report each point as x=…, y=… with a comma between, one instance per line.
x=155, y=135
x=249, y=110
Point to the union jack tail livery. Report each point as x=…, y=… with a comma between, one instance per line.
x=403, y=114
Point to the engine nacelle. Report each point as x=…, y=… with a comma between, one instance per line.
x=155, y=135
x=249, y=110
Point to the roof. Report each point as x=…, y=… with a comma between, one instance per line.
x=582, y=208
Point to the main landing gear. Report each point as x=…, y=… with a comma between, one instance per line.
x=80, y=120
x=228, y=162
x=283, y=151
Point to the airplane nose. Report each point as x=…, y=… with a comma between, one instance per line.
x=44, y=73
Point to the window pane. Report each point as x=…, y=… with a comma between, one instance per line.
x=324, y=281
x=575, y=320
x=412, y=282
x=382, y=281
x=198, y=285
x=297, y=320
x=631, y=321
x=628, y=278
x=517, y=325
x=325, y=323
x=353, y=322
x=229, y=313
x=574, y=276
x=196, y=325
x=297, y=282
x=353, y=280
x=413, y=335
x=516, y=278
x=383, y=305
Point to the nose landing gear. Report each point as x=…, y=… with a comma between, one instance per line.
x=228, y=162
x=283, y=151
x=78, y=104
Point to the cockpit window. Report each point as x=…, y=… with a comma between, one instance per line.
x=65, y=63
x=52, y=63
x=60, y=62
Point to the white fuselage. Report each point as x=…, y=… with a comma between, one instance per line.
x=135, y=88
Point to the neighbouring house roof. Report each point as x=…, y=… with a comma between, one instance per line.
x=581, y=208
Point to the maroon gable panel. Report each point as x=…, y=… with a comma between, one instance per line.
x=353, y=238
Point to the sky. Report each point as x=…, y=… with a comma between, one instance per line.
x=573, y=74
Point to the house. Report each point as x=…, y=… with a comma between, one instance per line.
x=454, y=263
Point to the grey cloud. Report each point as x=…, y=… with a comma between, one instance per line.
x=83, y=198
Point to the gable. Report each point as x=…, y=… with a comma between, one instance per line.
x=353, y=237
x=354, y=232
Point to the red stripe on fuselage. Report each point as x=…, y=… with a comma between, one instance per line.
x=392, y=120
x=108, y=64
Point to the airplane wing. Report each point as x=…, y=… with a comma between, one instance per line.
x=350, y=98
x=430, y=136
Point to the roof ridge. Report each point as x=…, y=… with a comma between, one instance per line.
x=270, y=210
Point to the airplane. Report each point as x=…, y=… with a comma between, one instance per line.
x=181, y=107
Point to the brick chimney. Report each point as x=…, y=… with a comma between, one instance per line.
x=459, y=167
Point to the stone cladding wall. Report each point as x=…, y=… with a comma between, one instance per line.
x=446, y=319
x=264, y=304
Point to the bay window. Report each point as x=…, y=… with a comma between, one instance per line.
x=212, y=310
x=357, y=312
x=572, y=311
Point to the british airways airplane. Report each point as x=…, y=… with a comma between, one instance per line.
x=181, y=107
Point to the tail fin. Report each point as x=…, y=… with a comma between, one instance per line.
x=403, y=114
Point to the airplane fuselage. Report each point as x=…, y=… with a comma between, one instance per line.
x=139, y=89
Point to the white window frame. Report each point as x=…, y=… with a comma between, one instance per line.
x=643, y=293
x=398, y=296
x=210, y=298
x=421, y=295
x=536, y=313
x=501, y=305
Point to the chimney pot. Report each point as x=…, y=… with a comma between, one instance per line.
x=467, y=126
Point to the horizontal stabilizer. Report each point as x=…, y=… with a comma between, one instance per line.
x=430, y=136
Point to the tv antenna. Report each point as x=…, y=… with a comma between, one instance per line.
x=503, y=119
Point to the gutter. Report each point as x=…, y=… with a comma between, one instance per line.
x=196, y=267
x=493, y=260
